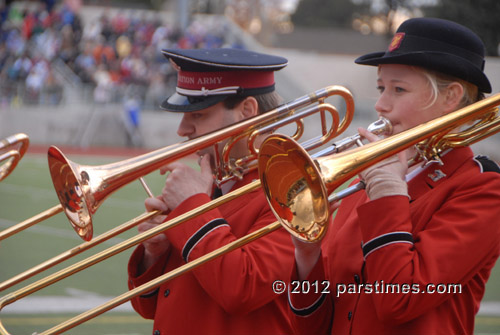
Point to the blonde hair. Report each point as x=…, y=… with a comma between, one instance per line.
x=439, y=81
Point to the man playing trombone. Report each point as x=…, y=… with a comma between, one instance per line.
x=233, y=293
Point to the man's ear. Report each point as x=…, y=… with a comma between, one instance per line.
x=249, y=107
x=454, y=94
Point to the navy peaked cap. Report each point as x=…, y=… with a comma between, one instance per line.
x=208, y=76
x=436, y=44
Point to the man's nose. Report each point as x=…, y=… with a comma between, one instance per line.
x=185, y=127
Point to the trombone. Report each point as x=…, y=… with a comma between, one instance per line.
x=12, y=149
x=82, y=189
x=343, y=166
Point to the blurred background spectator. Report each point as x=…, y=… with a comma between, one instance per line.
x=47, y=46
x=42, y=44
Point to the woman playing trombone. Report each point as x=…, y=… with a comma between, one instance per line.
x=412, y=253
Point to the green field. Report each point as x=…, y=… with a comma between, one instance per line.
x=28, y=191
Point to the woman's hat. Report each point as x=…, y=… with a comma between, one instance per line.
x=438, y=45
x=208, y=76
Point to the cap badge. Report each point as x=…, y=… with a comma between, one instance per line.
x=396, y=41
x=174, y=65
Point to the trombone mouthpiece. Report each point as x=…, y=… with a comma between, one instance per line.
x=381, y=127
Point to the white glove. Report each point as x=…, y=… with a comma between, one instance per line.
x=385, y=178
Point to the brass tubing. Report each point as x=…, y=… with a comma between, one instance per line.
x=120, y=247
x=30, y=222
x=67, y=254
x=92, y=313
x=9, y=166
x=22, y=142
x=75, y=251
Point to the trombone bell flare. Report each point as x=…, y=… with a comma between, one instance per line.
x=294, y=188
x=69, y=187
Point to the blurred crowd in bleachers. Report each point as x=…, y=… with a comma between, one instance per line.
x=115, y=56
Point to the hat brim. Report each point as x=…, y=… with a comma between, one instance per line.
x=437, y=61
x=181, y=103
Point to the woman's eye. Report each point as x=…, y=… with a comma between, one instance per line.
x=399, y=89
x=380, y=89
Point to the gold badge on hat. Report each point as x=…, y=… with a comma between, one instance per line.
x=396, y=41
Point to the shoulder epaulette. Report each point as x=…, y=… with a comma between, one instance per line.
x=486, y=164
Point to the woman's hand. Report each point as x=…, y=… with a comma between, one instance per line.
x=387, y=177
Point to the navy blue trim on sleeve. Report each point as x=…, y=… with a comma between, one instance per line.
x=307, y=310
x=386, y=239
x=150, y=294
x=193, y=240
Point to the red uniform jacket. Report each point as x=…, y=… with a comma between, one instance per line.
x=448, y=233
x=229, y=295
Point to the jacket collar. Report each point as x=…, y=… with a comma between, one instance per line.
x=435, y=174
